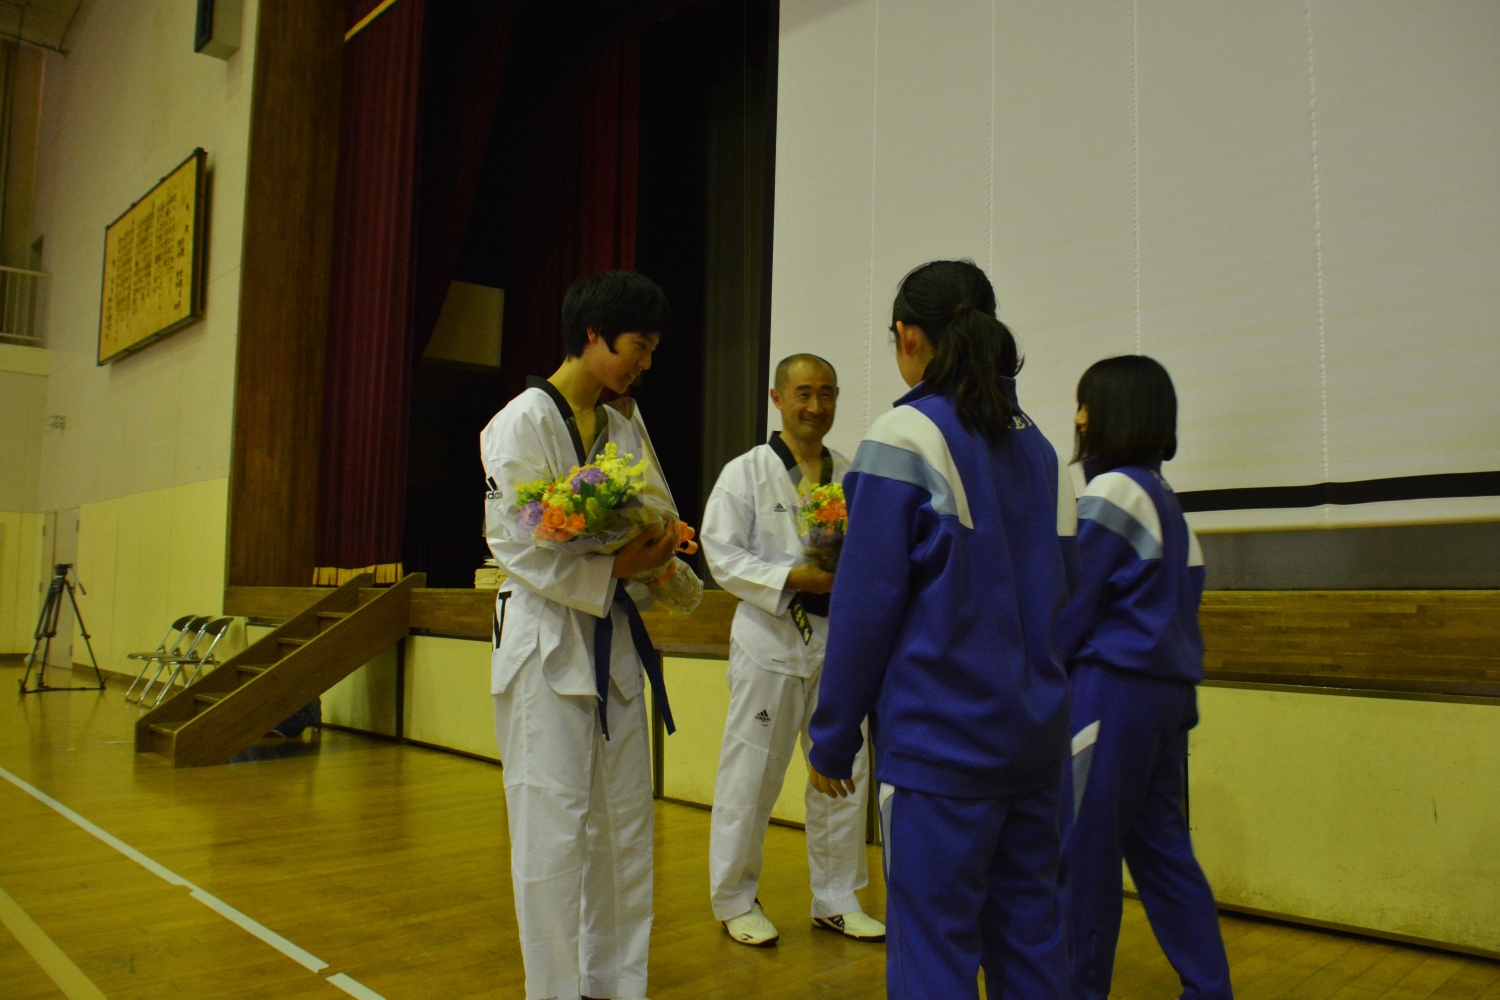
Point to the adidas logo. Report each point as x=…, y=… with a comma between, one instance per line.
x=764, y=718
x=778, y=509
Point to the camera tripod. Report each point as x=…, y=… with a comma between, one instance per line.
x=63, y=576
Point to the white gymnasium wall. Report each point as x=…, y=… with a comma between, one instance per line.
x=23, y=408
x=145, y=453
x=1295, y=206
x=129, y=102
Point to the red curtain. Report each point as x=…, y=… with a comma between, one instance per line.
x=575, y=213
x=362, y=467
x=610, y=158
x=467, y=42
x=421, y=85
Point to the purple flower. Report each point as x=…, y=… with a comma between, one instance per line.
x=592, y=475
x=530, y=516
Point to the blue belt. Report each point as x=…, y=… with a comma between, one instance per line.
x=604, y=634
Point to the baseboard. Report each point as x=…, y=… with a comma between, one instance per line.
x=1351, y=930
x=387, y=737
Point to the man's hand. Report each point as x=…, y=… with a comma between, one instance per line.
x=646, y=551
x=812, y=578
x=836, y=787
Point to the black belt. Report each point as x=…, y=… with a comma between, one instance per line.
x=604, y=634
x=814, y=604
x=804, y=604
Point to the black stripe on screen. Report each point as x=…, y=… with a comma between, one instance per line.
x=1452, y=484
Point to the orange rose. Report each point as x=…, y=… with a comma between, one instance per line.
x=558, y=525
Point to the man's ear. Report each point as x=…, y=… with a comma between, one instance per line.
x=776, y=398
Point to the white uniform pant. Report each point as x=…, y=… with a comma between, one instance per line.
x=581, y=823
x=767, y=711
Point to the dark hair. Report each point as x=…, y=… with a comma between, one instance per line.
x=1132, y=413
x=611, y=303
x=954, y=304
x=784, y=368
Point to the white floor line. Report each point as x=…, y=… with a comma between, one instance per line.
x=57, y=965
x=302, y=957
x=354, y=987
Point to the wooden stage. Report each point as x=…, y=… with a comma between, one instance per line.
x=390, y=863
x=1424, y=643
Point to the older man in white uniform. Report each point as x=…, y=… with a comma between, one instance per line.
x=570, y=716
x=775, y=656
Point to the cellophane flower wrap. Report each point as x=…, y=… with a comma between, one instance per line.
x=822, y=519
x=599, y=508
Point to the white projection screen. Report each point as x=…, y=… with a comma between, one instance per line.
x=1295, y=206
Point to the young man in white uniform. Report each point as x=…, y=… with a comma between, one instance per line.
x=570, y=715
x=775, y=656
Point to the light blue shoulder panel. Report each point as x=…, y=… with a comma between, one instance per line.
x=887, y=461
x=1117, y=502
x=905, y=445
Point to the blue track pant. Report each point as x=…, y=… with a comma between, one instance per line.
x=1131, y=807
x=971, y=882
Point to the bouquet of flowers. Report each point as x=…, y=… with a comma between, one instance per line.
x=822, y=519
x=600, y=507
x=595, y=508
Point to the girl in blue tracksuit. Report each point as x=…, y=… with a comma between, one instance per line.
x=953, y=572
x=1135, y=655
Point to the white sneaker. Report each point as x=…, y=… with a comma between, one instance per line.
x=857, y=925
x=753, y=928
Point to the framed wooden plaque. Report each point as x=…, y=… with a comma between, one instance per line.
x=153, y=263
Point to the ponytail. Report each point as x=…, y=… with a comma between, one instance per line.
x=954, y=304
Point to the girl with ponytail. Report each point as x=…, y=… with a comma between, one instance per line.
x=947, y=337
x=958, y=558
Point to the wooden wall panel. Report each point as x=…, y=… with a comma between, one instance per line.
x=1421, y=641
x=1432, y=642
x=294, y=130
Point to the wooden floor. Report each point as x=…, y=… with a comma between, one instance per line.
x=391, y=864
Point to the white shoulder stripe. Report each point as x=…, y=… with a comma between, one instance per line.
x=1067, y=502
x=1115, y=501
x=905, y=445
x=1130, y=496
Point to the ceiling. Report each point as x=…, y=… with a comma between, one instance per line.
x=43, y=23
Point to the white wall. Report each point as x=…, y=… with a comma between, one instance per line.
x=129, y=102
x=23, y=408
x=146, y=450
x=1368, y=812
x=1294, y=206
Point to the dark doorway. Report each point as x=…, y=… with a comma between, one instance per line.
x=706, y=106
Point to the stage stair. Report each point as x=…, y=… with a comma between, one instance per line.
x=228, y=709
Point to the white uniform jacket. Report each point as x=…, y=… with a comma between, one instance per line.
x=552, y=599
x=750, y=540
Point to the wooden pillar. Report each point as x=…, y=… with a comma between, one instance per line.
x=284, y=279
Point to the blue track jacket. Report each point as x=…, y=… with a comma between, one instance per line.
x=956, y=564
x=1140, y=580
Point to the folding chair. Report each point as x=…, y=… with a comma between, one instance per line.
x=168, y=647
x=192, y=636
x=197, y=661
